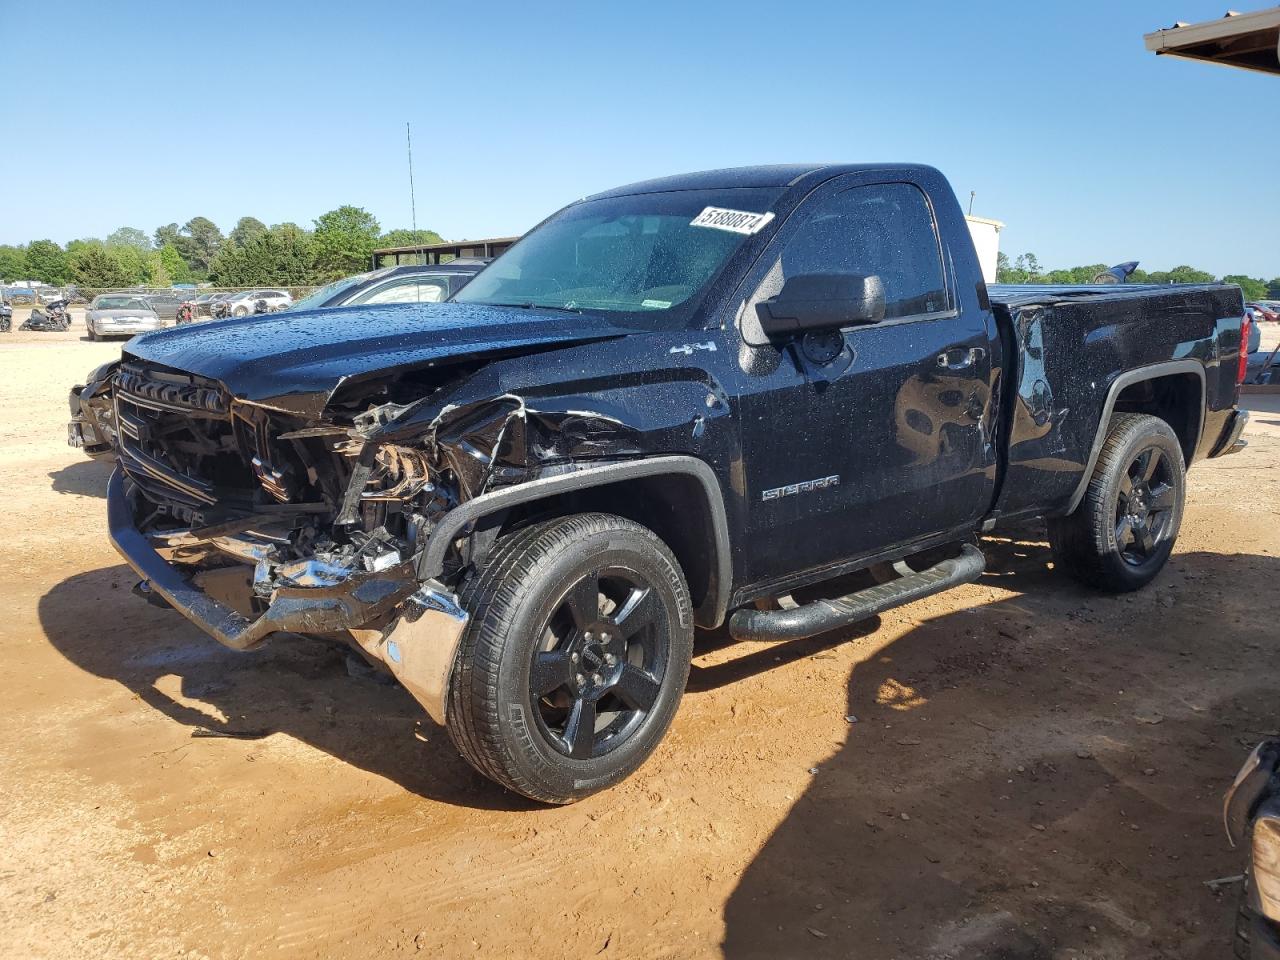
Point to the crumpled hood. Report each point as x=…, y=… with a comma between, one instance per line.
x=294, y=361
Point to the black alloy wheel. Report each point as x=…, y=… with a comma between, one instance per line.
x=598, y=669
x=1144, y=507
x=576, y=656
x=1121, y=534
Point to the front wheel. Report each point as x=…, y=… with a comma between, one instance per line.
x=575, y=659
x=1122, y=533
x=240, y=312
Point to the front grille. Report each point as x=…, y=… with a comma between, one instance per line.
x=159, y=390
x=177, y=439
x=182, y=440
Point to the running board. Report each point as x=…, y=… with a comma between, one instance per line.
x=823, y=615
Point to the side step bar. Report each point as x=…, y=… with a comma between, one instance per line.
x=823, y=615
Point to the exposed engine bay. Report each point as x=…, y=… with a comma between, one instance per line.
x=218, y=482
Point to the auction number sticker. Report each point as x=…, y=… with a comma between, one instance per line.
x=735, y=221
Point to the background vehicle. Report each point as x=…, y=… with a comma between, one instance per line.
x=21, y=296
x=54, y=319
x=165, y=304
x=92, y=425
x=1264, y=312
x=1251, y=813
x=202, y=304
x=49, y=295
x=242, y=304
x=120, y=315
x=761, y=398
x=405, y=284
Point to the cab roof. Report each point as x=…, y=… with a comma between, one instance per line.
x=776, y=175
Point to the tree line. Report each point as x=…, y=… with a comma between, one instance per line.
x=1026, y=269
x=339, y=243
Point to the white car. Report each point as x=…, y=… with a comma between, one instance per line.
x=120, y=315
x=243, y=304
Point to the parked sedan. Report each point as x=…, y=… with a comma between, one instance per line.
x=405, y=284
x=120, y=315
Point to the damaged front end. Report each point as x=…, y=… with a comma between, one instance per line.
x=252, y=522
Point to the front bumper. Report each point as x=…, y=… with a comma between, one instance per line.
x=414, y=628
x=110, y=328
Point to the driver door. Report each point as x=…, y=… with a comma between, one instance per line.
x=866, y=438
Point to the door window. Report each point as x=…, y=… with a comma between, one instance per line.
x=886, y=230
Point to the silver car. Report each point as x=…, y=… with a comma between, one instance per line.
x=120, y=315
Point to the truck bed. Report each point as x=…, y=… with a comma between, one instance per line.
x=1069, y=350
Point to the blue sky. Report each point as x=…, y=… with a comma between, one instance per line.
x=1089, y=148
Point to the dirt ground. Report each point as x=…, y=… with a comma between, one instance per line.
x=1017, y=769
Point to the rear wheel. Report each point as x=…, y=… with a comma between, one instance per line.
x=240, y=312
x=575, y=659
x=1121, y=534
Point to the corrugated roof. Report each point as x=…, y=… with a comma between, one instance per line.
x=1250, y=41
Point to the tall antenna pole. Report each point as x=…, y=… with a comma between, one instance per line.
x=972, y=193
x=413, y=203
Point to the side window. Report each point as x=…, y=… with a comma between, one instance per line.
x=886, y=230
x=408, y=290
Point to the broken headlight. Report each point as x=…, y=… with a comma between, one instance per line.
x=398, y=473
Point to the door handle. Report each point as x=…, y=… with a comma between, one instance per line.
x=960, y=359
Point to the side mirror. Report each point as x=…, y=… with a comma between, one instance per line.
x=822, y=301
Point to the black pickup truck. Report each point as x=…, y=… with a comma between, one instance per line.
x=777, y=398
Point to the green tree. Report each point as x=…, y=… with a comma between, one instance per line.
x=345, y=239
x=47, y=262
x=168, y=233
x=129, y=237
x=92, y=266
x=282, y=255
x=131, y=261
x=198, y=243
x=1180, y=274
x=408, y=238
x=13, y=263
x=1273, y=289
x=174, y=265
x=246, y=229
x=1252, y=289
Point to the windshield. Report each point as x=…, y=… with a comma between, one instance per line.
x=120, y=303
x=326, y=293
x=642, y=255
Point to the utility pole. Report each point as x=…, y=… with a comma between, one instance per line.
x=413, y=203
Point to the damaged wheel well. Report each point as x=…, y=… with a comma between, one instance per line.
x=676, y=496
x=673, y=506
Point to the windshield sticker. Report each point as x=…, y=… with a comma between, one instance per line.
x=735, y=221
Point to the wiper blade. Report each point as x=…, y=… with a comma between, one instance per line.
x=530, y=305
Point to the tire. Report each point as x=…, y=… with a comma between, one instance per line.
x=536, y=660
x=1116, y=541
x=93, y=334
x=240, y=312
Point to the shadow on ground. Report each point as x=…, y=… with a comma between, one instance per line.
x=1026, y=779
x=298, y=686
x=85, y=478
